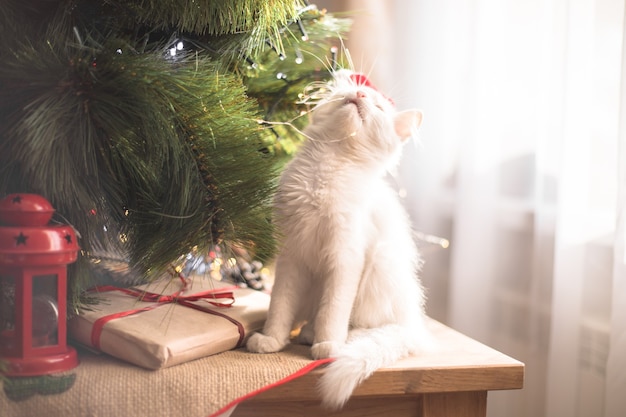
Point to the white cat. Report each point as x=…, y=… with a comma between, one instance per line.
x=347, y=263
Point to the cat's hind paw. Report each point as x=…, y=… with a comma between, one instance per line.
x=323, y=350
x=261, y=343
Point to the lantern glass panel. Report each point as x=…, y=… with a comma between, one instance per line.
x=7, y=312
x=45, y=312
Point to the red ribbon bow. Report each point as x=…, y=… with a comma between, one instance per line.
x=160, y=300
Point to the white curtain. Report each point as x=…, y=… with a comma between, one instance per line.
x=521, y=164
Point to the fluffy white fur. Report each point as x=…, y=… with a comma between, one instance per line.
x=347, y=263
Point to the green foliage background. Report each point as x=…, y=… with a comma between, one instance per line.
x=146, y=148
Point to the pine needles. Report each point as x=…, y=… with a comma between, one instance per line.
x=258, y=19
x=154, y=150
x=145, y=153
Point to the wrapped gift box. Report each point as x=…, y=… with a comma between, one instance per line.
x=170, y=327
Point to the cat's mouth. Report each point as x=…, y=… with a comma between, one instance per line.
x=358, y=105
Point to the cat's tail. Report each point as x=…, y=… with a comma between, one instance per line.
x=366, y=351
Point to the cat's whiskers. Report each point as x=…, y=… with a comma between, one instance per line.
x=325, y=63
x=346, y=52
x=309, y=99
x=289, y=124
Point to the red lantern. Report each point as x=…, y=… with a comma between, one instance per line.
x=33, y=287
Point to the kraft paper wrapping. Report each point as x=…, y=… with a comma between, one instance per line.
x=171, y=333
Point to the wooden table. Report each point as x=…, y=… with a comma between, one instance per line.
x=453, y=382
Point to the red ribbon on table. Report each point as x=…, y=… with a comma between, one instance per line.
x=160, y=300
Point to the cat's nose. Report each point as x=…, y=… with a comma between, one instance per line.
x=360, y=94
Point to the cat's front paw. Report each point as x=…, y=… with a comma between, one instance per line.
x=323, y=350
x=261, y=343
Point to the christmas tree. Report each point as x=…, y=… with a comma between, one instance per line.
x=156, y=126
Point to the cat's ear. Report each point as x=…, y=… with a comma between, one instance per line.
x=407, y=122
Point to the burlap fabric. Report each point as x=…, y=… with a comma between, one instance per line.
x=107, y=387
